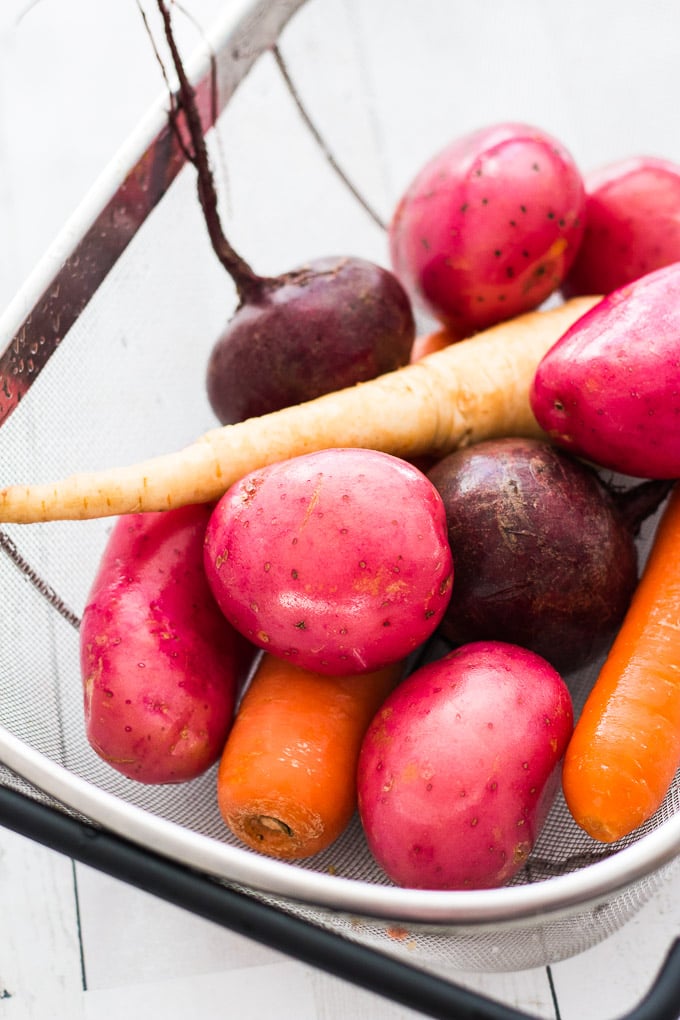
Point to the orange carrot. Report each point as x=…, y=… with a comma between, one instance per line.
x=428, y=343
x=625, y=749
x=286, y=782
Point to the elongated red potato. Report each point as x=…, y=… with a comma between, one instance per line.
x=159, y=661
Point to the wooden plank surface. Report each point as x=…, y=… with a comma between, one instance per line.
x=75, y=77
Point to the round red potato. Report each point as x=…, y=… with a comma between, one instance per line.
x=632, y=224
x=336, y=560
x=489, y=227
x=460, y=766
x=160, y=664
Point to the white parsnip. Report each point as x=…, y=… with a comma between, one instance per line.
x=470, y=391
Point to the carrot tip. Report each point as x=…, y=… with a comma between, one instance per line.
x=263, y=829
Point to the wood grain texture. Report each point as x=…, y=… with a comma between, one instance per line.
x=40, y=956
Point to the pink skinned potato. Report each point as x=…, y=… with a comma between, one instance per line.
x=632, y=225
x=609, y=389
x=337, y=560
x=489, y=227
x=159, y=662
x=459, y=768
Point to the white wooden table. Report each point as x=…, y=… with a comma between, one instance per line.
x=75, y=77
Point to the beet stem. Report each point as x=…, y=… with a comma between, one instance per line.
x=213, y=60
x=640, y=501
x=173, y=102
x=249, y=285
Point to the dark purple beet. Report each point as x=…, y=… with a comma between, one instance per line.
x=318, y=328
x=544, y=552
x=327, y=325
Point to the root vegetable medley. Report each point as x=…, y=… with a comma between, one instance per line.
x=302, y=528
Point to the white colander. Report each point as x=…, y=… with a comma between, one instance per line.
x=104, y=358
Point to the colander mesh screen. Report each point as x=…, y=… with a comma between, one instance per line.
x=126, y=383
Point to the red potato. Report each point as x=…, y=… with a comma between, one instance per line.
x=336, y=560
x=489, y=227
x=609, y=389
x=460, y=766
x=632, y=224
x=159, y=662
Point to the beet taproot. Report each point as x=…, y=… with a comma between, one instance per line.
x=543, y=549
x=322, y=327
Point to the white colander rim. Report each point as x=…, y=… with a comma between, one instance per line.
x=564, y=894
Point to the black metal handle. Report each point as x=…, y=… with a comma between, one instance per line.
x=370, y=969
